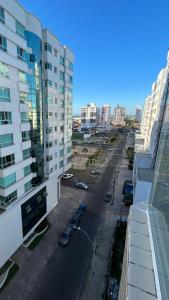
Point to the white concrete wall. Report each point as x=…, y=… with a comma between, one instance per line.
x=142, y=191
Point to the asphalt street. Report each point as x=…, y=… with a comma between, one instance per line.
x=64, y=275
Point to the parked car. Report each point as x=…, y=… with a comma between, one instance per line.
x=108, y=197
x=66, y=236
x=96, y=172
x=113, y=289
x=82, y=185
x=75, y=219
x=82, y=208
x=128, y=187
x=67, y=176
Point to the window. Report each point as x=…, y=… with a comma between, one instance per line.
x=62, y=75
x=24, y=117
x=4, y=70
x=8, y=199
x=21, y=53
x=48, y=83
x=56, y=86
x=25, y=136
x=61, y=153
x=49, y=130
x=56, y=101
x=2, y=15
x=49, y=100
x=23, y=97
x=55, y=69
x=4, y=94
x=26, y=153
x=69, y=149
x=62, y=128
x=49, y=158
x=70, y=66
x=61, y=164
x=5, y=117
x=55, y=167
x=62, y=89
x=62, y=116
x=48, y=66
x=28, y=186
x=70, y=79
x=27, y=170
x=6, y=140
x=22, y=77
x=3, y=43
x=62, y=103
x=48, y=47
x=55, y=52
x=62, y=60
x=32, y=58
x=56, y=154
x=49, y=144
x=8, y=180
x=55, y=128
x=7, y=161
x=55, y=142
x=50, y=114
x=55, y=115
x=20, y=29
x=62, y=141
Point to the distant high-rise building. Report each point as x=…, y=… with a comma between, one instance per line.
x=105, y=114
x=89, y=116
x=119, y=116
x=138, y=114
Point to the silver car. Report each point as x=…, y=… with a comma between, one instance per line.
x=82, y=185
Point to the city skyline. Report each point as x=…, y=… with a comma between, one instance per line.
x=121, y=71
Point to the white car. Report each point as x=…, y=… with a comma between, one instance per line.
x=67, y=176
x=82, y=185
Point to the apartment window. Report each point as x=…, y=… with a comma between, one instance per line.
x=24, y=117
x=8, y=199
x=55, y=128
x=21, y=53
x=49, y=158
x=3, y=43
x=55, y=167
x=55, y=85
x=61, y=164
x=26, y=153
x=55, y=53
x=62, y=128
x=23, y=97
x=69, y=149
x=7, y=181
x=20, y=29
x=55, y=115
x=49, y=100
x=62, y=141
x=49, y=144
x=2, y=15
x=6, y=140
x=27, y=170
x=62, y=116
x=48, y=66
x=22, y=77
x=61, y=153
x=62, y=89
x=62, y=103
x=70, y=79
x=5, y=117
x=4, y=94
x=25, y=136
x=62, y=60
x=62, y=75
x=55, y=142
x=48, y=83
x=4, y=70
x=50, y=114
x=56, y=154
x=49, y=130
x=70, y=66
x=55, y=69
x=7, y=161
x=28, y=186
x=48, y=47
x=56, y=101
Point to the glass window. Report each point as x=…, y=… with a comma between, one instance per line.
x=5, y=117
x=62, y=116
x=49, y=100
x=4, y=70
x=4, y=94
x=55, y=128
x=50, y=114
x=48, y=66
x=69, y=149
x=23, y=97
x=28, y=185
x=8, y=199
x=20, y=29
x=2, y=14
x=26, y=153
x=22, y=77
x=56, y=86
x=62, y=89
x=8, y=180
x=6, y=140
x=21, y=53
x=27, y=170
x=61, y=164
x=70, y=79
x=62, y=60
x=49, y=144
x=55, y=52
x=61, y=153
x=55, y=69
x=48, y=83
x=7, y=161
x=62, y=102
x=25, y=136
x=49, y=158
x=24, y=117
x=49, y=130
x=3, y=43
x=48, y=47
x=62, y=75
x=55, y=167
x=70, y=66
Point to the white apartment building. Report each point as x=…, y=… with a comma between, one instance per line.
x=138, y=114
x=90, y=115
x=36, y=76
x=119, y=116
x=105, y=114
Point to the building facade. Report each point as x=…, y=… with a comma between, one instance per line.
x=105, y=115
x=138, y=114
x=36, y=77
x=90, y=115
x=119, y=116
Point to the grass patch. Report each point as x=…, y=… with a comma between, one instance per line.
x=11, y=273
x=77, y=136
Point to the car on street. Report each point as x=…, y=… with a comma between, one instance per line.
x=96, y=172
x=108, y=197
x=82, y=208
x=75, y=219
x=67, y=176
x=82, y=185
x=66, y=236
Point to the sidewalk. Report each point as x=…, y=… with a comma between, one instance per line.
x=95, y=285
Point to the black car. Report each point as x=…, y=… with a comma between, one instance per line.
x=108, y=197
x=66, y=236
x=75, y=219
x=82, y=208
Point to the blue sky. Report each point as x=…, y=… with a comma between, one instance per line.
x=119, y=45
